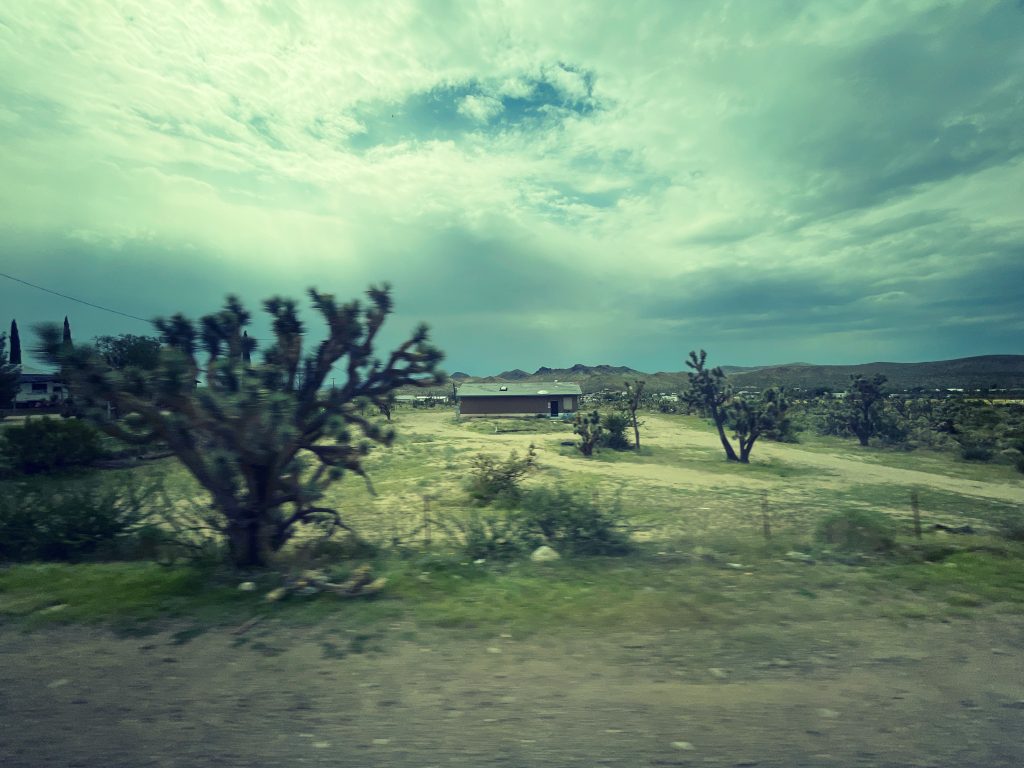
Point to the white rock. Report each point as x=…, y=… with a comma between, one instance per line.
x=544, y=554
x=683, y=745
x=247, y=586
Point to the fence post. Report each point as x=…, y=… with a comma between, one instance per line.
x=766, y=523
x=916, y=509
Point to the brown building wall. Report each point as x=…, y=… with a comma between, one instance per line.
x=513, y=405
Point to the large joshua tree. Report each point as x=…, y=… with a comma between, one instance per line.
x=264, y=438
x=710, y=391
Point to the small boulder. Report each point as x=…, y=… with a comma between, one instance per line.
x=544, y=554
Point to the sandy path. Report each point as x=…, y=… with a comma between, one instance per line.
x=836, y=471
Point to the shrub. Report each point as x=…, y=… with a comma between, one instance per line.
x=614, y=436
x=69, y=520
x=976, y=453
x=857, y=531
x=493, y=534
x=492, y=480
x=573, y=524
x=46, y=445
x=1019, y=464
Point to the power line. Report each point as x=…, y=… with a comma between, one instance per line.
x=72, y=298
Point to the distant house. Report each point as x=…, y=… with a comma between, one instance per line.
x=38, y=388
x=537, y=398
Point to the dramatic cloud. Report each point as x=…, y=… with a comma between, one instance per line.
x=544, y=183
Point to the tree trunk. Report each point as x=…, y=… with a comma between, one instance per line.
x=730, y=453
x=249, y=544
x=636, y=432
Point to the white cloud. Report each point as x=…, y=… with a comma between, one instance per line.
x=480, y=109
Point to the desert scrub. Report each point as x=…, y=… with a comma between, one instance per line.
x=48, y=445
x=856, y=530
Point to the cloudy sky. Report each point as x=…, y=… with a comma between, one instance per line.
x=544, y=183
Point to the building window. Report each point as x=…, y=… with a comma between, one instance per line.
x=39, y=386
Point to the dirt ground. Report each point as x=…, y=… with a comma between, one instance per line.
x=874, y=694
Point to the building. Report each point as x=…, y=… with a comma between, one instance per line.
x=38, y=388
x=537, y=398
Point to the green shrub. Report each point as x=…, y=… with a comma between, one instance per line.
x=492, y=480
x=976, y=453
x=614, y=436
x=71, y=519
x=1019, y=464
x=572, y=524
x=857, y=531
x=46, y=445
x=493, y=534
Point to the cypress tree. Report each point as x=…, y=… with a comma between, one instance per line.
x=15, y=344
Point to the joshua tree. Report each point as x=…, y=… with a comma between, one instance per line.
x=588, y=427
x=711, y=392
x=863, y=406
x=634, y=391
x=265, y=439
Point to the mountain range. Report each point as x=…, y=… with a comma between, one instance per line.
x=969, y=373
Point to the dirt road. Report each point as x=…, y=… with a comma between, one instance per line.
x=877, y=694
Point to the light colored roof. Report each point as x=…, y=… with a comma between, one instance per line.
x=520, y=389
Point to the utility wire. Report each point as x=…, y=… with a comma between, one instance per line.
x=72, y=298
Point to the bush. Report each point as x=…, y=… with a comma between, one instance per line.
x=1019, y=464
x=573, y=524
x=614, y=436
x=70, y=520
x=493, y=534
x=492, y=480
x=976, y=453
x=857, y=531
x=46, y=445
x=588, y=427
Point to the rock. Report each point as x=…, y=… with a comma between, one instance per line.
x=247, y=586
x=799, y=557
x=735, y=566
x=544, y=554
x=683, y=745
x=494, y=649
x=275, y=594
x=718, y=673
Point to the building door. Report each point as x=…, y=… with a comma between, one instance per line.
x=554, y=407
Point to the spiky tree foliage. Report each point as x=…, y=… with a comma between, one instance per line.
x=588, y=427
x=709, y=391
x=751, y=420
x=634, y=391
x=15, y=344
x=9, y=376
x=265, y=439
x=863, y=405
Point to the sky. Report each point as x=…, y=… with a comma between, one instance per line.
x=543, y=183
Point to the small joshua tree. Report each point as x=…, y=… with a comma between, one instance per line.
x=265, y=439
x=634, y=393
x=588, y=427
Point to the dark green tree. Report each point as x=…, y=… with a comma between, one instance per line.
x=614, y=426
x=15, y=344
x=862, y=409
x=9, y=376
x=128, y=350
x=67, y=343
x=264, y=439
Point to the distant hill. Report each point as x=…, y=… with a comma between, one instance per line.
x=969, y=373
x=985, y=372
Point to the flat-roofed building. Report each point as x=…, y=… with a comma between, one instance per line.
x=536, y=398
